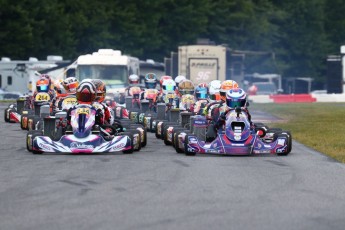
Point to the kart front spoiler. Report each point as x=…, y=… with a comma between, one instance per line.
x=90, y=144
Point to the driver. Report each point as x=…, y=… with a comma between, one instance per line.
x=234, y=98
x=108, y=114
x=86, y=95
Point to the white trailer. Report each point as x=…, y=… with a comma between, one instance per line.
x=21, y=75
x=202, y=63
x=108, y=65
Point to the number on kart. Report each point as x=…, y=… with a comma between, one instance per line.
x=83, y=111
x=42, y=97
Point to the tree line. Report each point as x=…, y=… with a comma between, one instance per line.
x=300, y=33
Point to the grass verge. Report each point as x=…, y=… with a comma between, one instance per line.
x=320, y=126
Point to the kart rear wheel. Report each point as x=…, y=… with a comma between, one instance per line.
x=130, y=135
x=136, y=134
x=24, y=121
x=143, y=133
x=176, y=145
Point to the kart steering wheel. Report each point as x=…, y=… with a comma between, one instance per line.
x=118, y=127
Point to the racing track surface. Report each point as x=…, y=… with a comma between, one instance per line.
x=157, y=188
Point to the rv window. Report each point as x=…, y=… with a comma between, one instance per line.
x=0, y=81
x=9, y=80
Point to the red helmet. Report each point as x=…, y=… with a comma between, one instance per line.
x=42, y=85
x=86, y=92
x=163, y=78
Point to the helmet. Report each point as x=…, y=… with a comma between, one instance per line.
x=163, y=78
x=101, y=90
x=86, y=92
x=169, y=86
x=133, y=79
x=186, y=87
x=150, y=81
x=214, y=88
x=225, y=86
x=236, y=98
x=60, y=89
x=70, y=84
x=46, y=76
x=42, y=85
x=201, y=91
x=179, y=78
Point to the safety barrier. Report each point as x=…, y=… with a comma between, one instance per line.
x=297, y=98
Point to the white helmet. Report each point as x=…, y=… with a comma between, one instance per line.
x=169, y=86
x=133, y=79
x=179, y=78
x=214, y=86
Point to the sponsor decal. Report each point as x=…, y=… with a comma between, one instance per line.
x=267, y=146
x=118, y=146
x=211, y=151
x=262, y=151
x=44, y=146
x=76, y=145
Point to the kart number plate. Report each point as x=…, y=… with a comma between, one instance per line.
x=69, y=101
x=42, y=97
x=83, y=111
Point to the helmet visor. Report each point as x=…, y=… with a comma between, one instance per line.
x=186, y=91
x=42, y=88
x=201, y=95
x=150, y=85
x=169, y=87
x=215, y=97
x=235, y=103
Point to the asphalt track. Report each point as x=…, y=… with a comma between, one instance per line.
x=157, y=188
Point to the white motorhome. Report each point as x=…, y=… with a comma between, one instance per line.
x=21, y=75
x=108, y=65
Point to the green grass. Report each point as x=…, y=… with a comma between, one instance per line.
x=320, y=126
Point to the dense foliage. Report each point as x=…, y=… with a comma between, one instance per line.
x=300, y=33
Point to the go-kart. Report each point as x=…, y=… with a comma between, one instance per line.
x=12, y=113
x=237, y=138
x=82, y=136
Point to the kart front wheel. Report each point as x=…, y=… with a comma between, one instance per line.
x=186, y=148
x=30, y=136
x=289, y=142
x=129, y=151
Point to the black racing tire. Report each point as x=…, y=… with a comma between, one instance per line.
x=6, y=113
x=165, y=134
x=30, y=125
x=23, y=120
x=175, y=136
x=144, y=133
x=165, y=127
x=135, y=133
x=289, y=140
x=131, y=150
x=30, y=136
x=158, y=130
x=188, y=153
